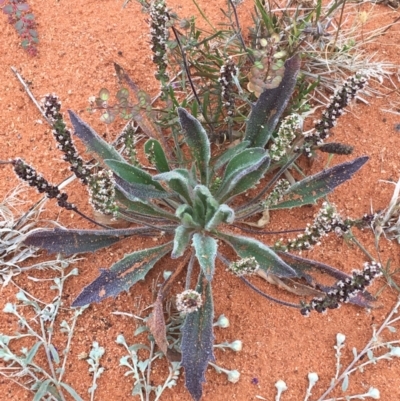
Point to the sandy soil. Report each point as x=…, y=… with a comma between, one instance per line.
x=79, y=41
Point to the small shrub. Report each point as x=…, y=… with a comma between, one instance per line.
x=24, y=23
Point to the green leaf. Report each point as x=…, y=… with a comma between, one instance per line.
x=229, y=154
x=185, y=215
x=42, y=390
x=93, y=142
x=135, y=182
x=138, y=192
x=69, y=242
x=132, y=174
x=266, y=112
x=54, y=353
x=104, y=94
x=32, y=352
x=154, y=150
x=179, y=181
x=205, y=205
x=198, y=142
x=71, y=391
x=140, y=206
x=243, y=172
x=308, y=190
x=197, y=342
x=224, y=214
x=268, y=260
x=182, y=238
x=206, y=252
x=122, y=275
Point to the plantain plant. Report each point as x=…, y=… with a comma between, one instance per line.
x=195, y=202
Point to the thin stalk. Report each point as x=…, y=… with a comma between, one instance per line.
x=203, y=15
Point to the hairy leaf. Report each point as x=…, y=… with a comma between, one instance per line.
x=156, y=155
x=143, y=207
x=133, y=175
x=179, y=181
x=198, y=142
x=243, y=172
x=268, y=260
x=93, y=142
x=182, y=238
x=266, y=112
x=224, y=214
x=308, y=190
x=229, y=154
x=206, y=252
x=122, y=275
x=69, y=242
x=135, y=192
x=197, y=342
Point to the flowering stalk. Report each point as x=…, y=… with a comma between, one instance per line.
x=29, y=174
x=245, y=266
x=326, y=221
x=288, y=130
x=344, y=290
x=277, y=193
x=159, y=36
x=335, y=109
x=226, y=75
x=51, y=106
x=102, y=192
x=188, y=301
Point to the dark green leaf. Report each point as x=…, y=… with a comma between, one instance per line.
x=143, y=207
x=197, y=342
x=122, y=275
x=229, y=154
x=206, y=252
x=308, y=190
x=92, y=140
x=197, y=140
x=268, y=260
x=243, y=172
x=70, y=242
x=153, y=150
x=266, y=112
x=137, y=192
x=133, y=174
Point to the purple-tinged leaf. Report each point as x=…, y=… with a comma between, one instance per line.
x=29, y=17
x=8, y=9
x=23, y=6
x=122, y=275
x=19, y=25
x=206, y=252
x=268, y=260
x=33, y=33
x=266, y=112
x=70, y=242
x=93, y=141
x=308, y=190
x=197, y=342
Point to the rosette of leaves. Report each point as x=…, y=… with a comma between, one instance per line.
x=191, y=205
